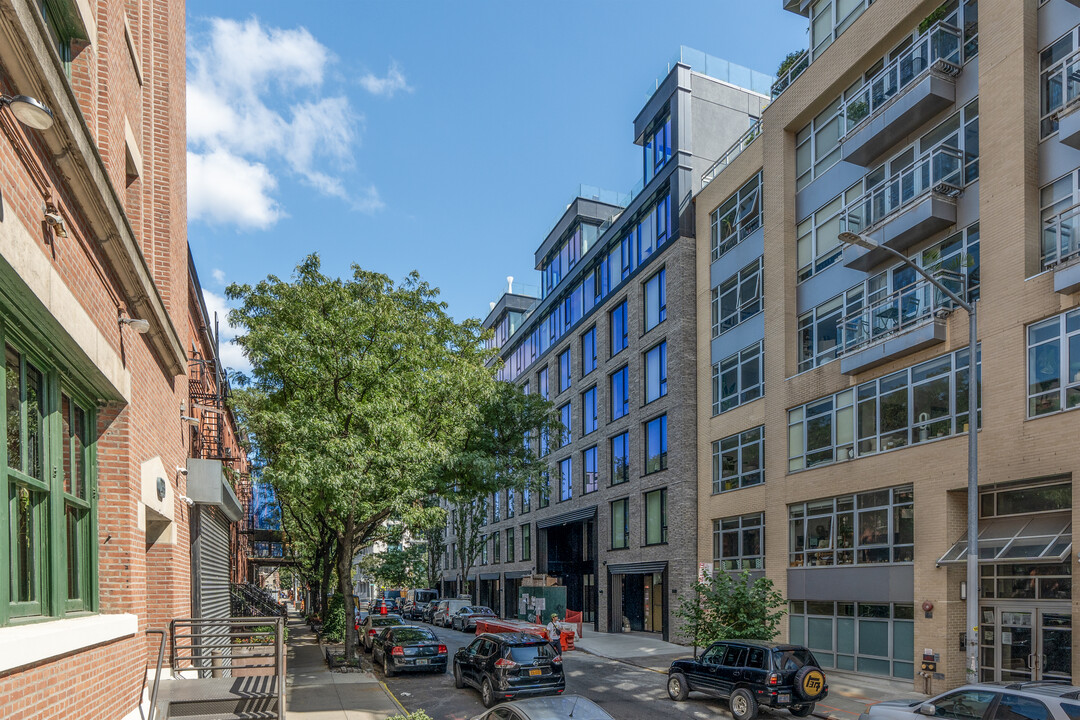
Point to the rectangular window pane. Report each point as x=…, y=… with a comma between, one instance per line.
x=618, y=524
x=13, y=370
x=620, y=458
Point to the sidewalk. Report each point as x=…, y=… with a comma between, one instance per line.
x=312, y=692
x=848, y=694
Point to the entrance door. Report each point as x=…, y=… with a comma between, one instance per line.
x=1026, y=643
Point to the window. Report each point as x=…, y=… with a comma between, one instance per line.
x=737, y=299
x=620, y=458
x=973, y=704
x=566, y=479
x=588, y=464
x=739, y=542
x=484, y=551
x=588, y=411
x=495, y=554
x=50, y=473
x=618, y=329
x=656, y=445
x=509, y=503
x=737, y=460
x=926, y=402
x=657, y=148
x=738, y=379
x=526, y=542
x=545, y=490
x=1054, y=364
x=588, y=352
x=829, y=18
x=526, y=500
x=620, y=393
x=542, y=382
x=656, y=517
x=495, y=497
x=453, y=555
x=870, y=638
x=564, y=370
x=868, y=528
x=510, y=553
x=819, y=329
x=1057, y=63
x=735, y=219
x=656, y=372
x=565, y=417
x=655, y=301
x=1058, y=204
x=620, y=524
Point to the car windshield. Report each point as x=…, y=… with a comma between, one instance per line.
x=482, y=611
x=791, y=659
x=413, y=635
x=525, y=654
x=384, y=620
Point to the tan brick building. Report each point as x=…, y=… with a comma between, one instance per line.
x=947, y=134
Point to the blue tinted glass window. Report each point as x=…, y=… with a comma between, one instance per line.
x=619, y=336
x=656, y=372
x=656, y=444
x=620, y=393
x=620, y=458
x=564, y=416
x=655, y=300
x=566, y=479
x=589, y=468
x=588, y=411
x=542, y=382
x=564, y=370
x=588, y=352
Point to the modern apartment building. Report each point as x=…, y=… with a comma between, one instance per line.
x=611, y=342
x=833, y=381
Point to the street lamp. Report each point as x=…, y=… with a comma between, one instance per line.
x=850, y=238
x=29, y=111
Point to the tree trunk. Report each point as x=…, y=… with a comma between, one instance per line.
x=324, y=602
x=344, y=570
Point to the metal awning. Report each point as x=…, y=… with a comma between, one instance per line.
x=1046, y=538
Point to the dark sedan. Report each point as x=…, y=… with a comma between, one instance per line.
x=465, y=618
x=503, y=666
x=409, y=648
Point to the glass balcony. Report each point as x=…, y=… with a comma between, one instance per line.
x=732, y=152
x=793, y=72
x=1061, y=237
x=1067, y=86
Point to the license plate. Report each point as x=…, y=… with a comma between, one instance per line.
x=784, y=697
x=535, y=671
x=421, y=662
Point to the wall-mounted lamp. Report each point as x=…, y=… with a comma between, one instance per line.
x=186, y=499
x=181, y=469
x=963, y=590
x=29, y=111
x=55, y=220
x=137, y=324
x=193, y=421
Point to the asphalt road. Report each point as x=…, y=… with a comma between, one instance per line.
x=626, y=692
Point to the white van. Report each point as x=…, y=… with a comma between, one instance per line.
x=446, y=608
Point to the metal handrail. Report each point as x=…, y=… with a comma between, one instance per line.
x=731, y=153
x=941, y=42
x=897, y=312
x=1061, y=237
x=793, y=72
x=157, y=673
x=940, y=170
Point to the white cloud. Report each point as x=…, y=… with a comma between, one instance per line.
x=394, y=81
x=226, y=189
x=256, y=103
x=231, y=355
x=218, y=275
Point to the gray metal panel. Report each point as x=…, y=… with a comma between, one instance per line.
x=1055, y=160
x=508, y=302
x=905, y=343
x=578, y=515
x=206, y=484
x=905, y=114
x=489, y=576
x=744, y=334
x=639, y=568
x=1069, y=128
x=737, y=257
x=878, y=583
x=825, y=187
x=1055, y=17
x=967, y=82
x=913, y=225
x=967, y=205
x=211, y=569
x=1067, y=278
x=584, y=208
x=826, y=285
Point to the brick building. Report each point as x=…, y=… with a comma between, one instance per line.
x=946, y=132
x=96, y=316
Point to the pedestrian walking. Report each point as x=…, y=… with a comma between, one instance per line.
x=554, y=633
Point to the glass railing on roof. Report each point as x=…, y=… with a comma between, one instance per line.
x=942, y=42
x=795, y=70
x=717, y=68
x=940, y=170
x=1061, y=237
x=634, y=192
x=732, y=152
x=899, y=312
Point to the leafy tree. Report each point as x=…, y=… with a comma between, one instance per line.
x=470, y=519
x=435, y=547
x=727, y=606
x=359, y=387
x=788, y=62
x=334, y=626
x=399, y=566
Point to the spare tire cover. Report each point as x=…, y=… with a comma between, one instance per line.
x=809, y=683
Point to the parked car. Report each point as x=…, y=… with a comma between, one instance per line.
x=376, y=606
x=547, y=708
x=1046, y=699
x=445, y=609
x=465, y=618
x=413, y=610
x=509, y=665
x=429, y=611
x=750, y=674
x=404, y=648
x=372, y=625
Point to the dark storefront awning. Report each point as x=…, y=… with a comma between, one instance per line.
x=640, y=568
x=1039, y=538
x=586, y=513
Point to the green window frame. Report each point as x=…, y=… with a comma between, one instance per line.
x=48, y=475
x=526, y=542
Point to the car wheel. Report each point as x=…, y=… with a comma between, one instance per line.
x=677, y=688
x=802, y=710
x=743, y=705
x=809, y=683
x=388, y=669
x=459, y=682
x=487, y=693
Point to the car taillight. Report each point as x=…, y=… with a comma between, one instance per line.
x=442, y=648
x=774, y=679
x=504, y=663
x=557, y=660
x=398, y=651
x=371, y=632
x=356, y=626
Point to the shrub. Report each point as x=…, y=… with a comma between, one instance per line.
x=333, y=629
x=417, y=715
x=728, y=606
x=788, y=61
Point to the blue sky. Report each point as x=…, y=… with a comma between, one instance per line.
x=441, y=137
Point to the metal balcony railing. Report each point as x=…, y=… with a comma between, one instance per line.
x=1068, y=80
x=731, y=153
x=797, y=68
x=940, y=43
x=899, y=312
x=941, y=170
x=1061, y=237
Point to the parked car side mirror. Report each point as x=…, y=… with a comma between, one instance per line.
x=927, y=709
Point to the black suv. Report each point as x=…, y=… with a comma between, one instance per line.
x=752, y=673
x=509, y=665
